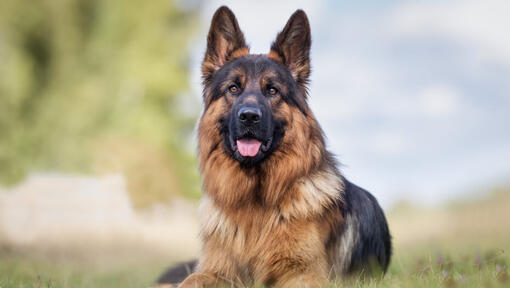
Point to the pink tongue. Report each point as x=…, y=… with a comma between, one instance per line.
x=248, y=147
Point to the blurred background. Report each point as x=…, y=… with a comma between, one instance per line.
x=99, y=99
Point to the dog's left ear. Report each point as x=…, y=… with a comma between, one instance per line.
x=224, y=42
x=292, y=47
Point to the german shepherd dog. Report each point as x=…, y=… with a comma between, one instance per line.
x=276, y=211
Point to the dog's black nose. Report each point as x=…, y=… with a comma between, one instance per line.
x=249, y=115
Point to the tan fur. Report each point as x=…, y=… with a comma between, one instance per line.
x=212, y=63
x=274, y=55
x=244, y=51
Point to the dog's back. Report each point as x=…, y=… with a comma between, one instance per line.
x=363, y=243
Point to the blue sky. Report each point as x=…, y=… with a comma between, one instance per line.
x=414, y=96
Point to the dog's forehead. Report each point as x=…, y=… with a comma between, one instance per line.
x=256, y=65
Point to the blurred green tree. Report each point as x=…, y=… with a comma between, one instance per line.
x=94, y=86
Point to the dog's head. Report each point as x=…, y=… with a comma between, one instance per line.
x=249, y=99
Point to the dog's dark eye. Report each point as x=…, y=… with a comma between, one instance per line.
x=233, y=89
x=272, y=91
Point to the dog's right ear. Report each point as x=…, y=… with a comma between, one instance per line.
x=224, y=42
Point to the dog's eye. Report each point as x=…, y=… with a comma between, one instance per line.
x=233, y=89
x=272, y=91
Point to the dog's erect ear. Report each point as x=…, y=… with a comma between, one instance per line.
x=292, y=46
x=224, y=42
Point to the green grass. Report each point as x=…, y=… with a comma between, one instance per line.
x=435, y=269
x=458, y=245
x=29, y=271
x=417, y=269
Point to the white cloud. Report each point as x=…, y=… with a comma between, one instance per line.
x=439, y=101
x=388, y=143
x=482, y=24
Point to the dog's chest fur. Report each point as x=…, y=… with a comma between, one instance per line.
x=258, y=241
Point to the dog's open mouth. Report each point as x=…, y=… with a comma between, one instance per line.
x=250, y=147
